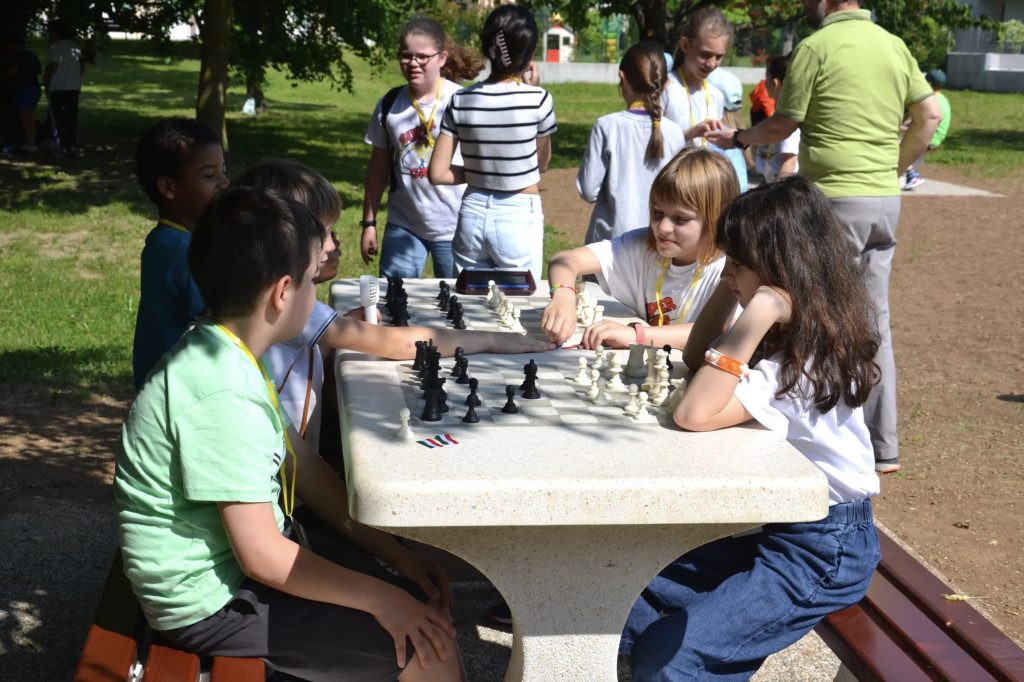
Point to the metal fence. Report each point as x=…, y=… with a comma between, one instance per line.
x=980, y=41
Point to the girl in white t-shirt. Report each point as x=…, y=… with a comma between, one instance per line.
x=665, y=273
x=421, y=216
x=503, y=127
x=626, y=149
x=690, y=100
x=779, y=160
x=808, y=330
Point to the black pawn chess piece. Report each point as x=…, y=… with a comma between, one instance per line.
x=445, y=300
x=510, y=404
x=451, y=307
x=458, y=322
x=417, y=363
x=668, y=356
x=442, y=287
x=473, y=400
x=462, y=377
x=470, y=417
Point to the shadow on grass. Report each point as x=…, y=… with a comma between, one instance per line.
x=50, y=371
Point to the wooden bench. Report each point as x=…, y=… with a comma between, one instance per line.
x=110, y=653
x=905, y=630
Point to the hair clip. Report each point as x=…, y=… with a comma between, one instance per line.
x=499, y=41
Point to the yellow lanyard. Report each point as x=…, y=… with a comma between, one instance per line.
x=690, y=292
x=689, y=103
x=635, y=106
x=428, y=122
x=287, y=492
x=173, y=225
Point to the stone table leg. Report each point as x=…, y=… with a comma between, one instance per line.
x=570, y=588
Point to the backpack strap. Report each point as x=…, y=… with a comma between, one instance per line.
x=386, y=103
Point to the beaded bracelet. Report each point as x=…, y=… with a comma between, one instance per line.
x=726, y=364
x=555, y=288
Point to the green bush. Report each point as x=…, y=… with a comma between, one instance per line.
x=1011, y=36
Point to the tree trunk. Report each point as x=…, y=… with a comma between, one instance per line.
x=213, y=73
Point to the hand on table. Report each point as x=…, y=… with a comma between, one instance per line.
x=559, y=318
x=609, y=334
x=429, y=629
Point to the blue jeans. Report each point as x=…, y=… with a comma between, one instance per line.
x=404, y=254
x=500, y=229
x=719, y=611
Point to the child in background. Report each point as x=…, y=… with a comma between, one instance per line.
x=180, y=164
x=779, y=160
x=720, y=610
x=63, y=80
x=421, y=216
x=762, y=105
x=665, y=273
x=21, y=71
x=504, y=126
x=297, y=364
x=937, y=79
x=615, y=174
x=206, y=454
x=690, y=100
x=732, y=102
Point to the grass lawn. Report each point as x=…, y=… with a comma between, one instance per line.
x=71, y=230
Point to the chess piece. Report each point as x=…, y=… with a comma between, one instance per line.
x=490, y=291
x=510, y=404
x=516, y=325
x=642, y=415
x=452, y=307
x=473, y=400
x=652, y=368
x=583, y=375
x=442, y=287
x=462, y=371
x=615, y=384
x=598, y=358
x=635, y=365
x=529, y=386
x=417, y=363
x=459, y=354
x=598, y=314
x=431, y=411
x=668, y=356
x=661, y=388
x=672, y=402
x=404, y=432
x=633, y=403
x=595, y=388
x=457, y=321
x=471, y=417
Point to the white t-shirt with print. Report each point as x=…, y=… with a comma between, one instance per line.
x=690, y=108
x=630, y=273
x=837, y=442
x=768, y=158
x=429, y=211
x=67, y=55
x=297, y=368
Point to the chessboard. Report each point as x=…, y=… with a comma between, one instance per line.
x=422, y=306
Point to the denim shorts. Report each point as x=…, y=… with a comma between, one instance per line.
x=500, y=229
x=404, y=254
x=719, y=611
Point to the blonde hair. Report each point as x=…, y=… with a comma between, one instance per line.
x=298, y=182
x=702, y=181
x=643, y=66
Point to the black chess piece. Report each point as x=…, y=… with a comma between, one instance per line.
x=528, y=369
x=444, y=301
x=442, y=396
x=510, y=404
x=668, y=356
x=417, y=363
x=529, y=386
x=470, y=417
x=443, y=288
x=458, y=322
x=462, y=367
x=451, y=307
x=431, y=412
x=473, y=400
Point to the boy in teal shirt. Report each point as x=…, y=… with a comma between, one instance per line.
x=937, y=79
x=180, y=165
x=205, y=454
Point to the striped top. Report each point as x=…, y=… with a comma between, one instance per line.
x=497, y=126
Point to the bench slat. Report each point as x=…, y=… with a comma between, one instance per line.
x=969, y=628
x=106, y=656
x=164, y=664
x=919, y=635
x=864, y=647
x=229, y=669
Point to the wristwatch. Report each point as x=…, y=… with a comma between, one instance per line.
x=367, y=223
x=736, y=139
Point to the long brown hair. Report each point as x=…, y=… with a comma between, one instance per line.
x=702, y=181
x=461, y=64
x=789, y=235
x=643, y=66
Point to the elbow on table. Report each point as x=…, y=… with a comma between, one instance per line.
x=691, y=419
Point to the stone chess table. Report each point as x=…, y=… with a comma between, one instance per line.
x=569, y=518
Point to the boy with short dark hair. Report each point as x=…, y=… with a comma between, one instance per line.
x=205, y=454
x=180, y=165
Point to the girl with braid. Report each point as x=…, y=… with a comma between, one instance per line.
x=626, y=149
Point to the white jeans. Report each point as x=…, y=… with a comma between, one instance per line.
x=500, y=229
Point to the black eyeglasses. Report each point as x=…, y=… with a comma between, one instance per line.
x=421, y=59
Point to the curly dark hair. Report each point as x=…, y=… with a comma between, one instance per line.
x=789, y=235
x=165, y=147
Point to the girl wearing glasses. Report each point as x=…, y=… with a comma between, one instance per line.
x=403, y=131
x=503, y=126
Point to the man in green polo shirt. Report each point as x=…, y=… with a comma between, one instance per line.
x=847, y=88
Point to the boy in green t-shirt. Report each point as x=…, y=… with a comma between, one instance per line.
x=937, y=79
x=205, y=455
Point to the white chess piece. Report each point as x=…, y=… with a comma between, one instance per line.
x=490, y=290
x=615, y=384
x=598, y=358
x=583, y=375
x=595, y=388
x=661, y=387
x=598, y=314
x=672, y=402
x=642, y=415
x=652, y=368
x=404, y=432
x=635, y=365
x=633, y=404
x=516, y=324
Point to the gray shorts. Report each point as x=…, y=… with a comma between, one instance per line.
x=307, y=639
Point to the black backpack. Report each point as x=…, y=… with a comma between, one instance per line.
x=386, y=103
